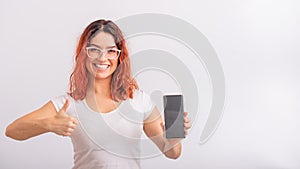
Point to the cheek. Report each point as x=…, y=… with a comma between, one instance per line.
x=88, y=66
x=115, y=64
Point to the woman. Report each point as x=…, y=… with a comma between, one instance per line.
x=101, y=83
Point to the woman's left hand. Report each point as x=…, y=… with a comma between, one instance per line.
x=154, y=128
x=187, y=124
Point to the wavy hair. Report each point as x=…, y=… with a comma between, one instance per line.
x=122, y=83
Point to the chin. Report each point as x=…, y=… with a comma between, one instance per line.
x=102, y=76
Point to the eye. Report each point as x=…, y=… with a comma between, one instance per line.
x=94, y=50
x=112, y=51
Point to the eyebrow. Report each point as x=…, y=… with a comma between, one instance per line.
x=101, y=48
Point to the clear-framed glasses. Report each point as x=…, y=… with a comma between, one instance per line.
x=94, y=52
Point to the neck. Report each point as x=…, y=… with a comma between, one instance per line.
x=99, y=87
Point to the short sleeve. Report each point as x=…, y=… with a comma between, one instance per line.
x=142, y=102
x=59, y=101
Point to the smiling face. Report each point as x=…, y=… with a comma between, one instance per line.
x=101, y=67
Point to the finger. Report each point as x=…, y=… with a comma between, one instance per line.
x=66, y=131
x=185, y=114
x=187, y=120
x=70, y=130
x=65, y=106
x=162, y=125
x=61, y=132
x=74, y=120
x=187, y=125
x=66, y=134
x=72, y=125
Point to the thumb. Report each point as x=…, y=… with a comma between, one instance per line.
x=162, y=125
x=63, y=110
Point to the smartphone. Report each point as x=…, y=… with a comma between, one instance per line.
x=173, y=114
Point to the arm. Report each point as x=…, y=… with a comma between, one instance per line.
x=43, y=120
x=154, y=129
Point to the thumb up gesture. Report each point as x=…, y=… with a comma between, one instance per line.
x=63, y=124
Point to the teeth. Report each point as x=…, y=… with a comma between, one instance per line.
x=101, y=66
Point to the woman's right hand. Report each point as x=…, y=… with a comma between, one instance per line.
x=61, y=123
x=43, y=120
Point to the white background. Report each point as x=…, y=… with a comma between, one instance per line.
x=257, y=42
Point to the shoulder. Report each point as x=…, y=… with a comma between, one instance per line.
x=140, y=96
x=142, y=102
x=138, y=93
x=60, y=100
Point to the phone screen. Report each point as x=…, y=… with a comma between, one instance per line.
x=173, y=114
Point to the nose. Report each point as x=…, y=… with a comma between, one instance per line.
x=102, y=56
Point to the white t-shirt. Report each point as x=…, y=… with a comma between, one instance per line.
x=108, y=140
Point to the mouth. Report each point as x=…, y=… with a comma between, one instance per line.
x=101, y=66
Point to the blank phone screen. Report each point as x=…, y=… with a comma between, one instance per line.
x=173, y=114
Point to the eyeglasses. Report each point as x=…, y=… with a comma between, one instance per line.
x=94, y=52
